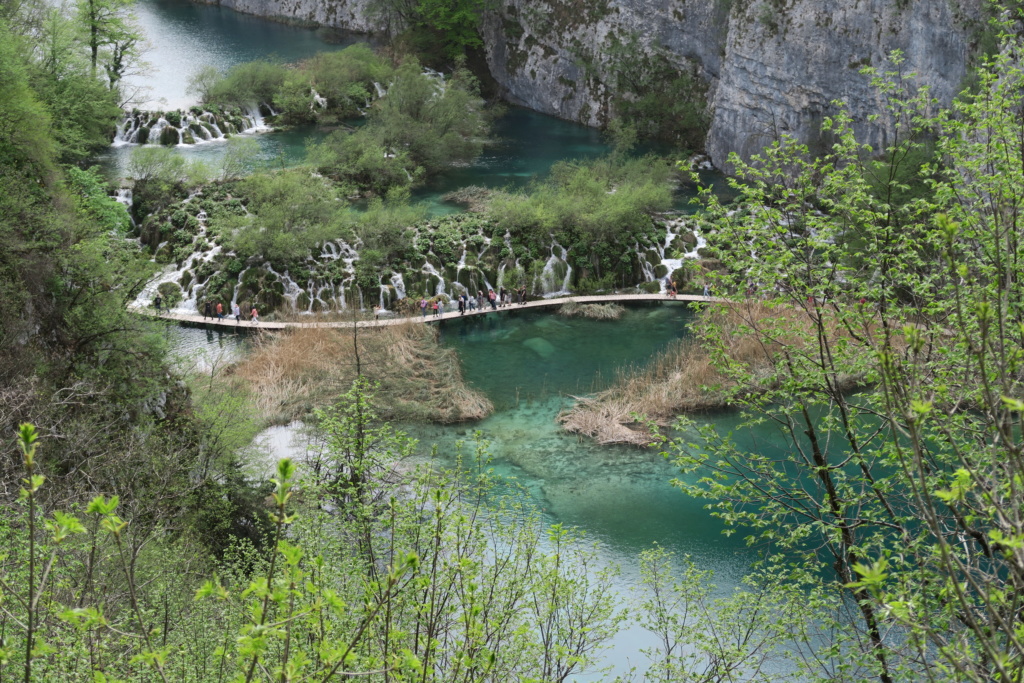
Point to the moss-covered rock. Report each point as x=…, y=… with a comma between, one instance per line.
x=169, y=136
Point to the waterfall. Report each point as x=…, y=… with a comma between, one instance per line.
x=291, y=290
x=673, y=229
x=238, y=285
x=252, y=112
x=429, y=269
x=379, y=89
x=549, y=277
x=141, y=127
x=318, y=100
x=124, y=196
x=399, y=284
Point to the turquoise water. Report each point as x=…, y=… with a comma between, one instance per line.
x=531, y=364
x=183, y=37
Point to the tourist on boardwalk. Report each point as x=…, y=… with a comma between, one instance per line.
x=462, y=305
x=236, y=311
x=423, y=307
x=437, y=307
x=707, y=291
x=376, y=311
x=480, y=299
x=220, y=310
x=156, y=302
x=471, y=301
x=673, y=290
x=254, y=315
x=522, y=295
x=207, y=310
x=501, y=297
x=493, y=298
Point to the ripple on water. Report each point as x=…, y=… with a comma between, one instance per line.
x=202, y=350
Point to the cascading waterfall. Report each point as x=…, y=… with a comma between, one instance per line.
x=399, y=284
x=258, y=125
x=550, y=284
x=318, y=100
x=185, y=127
x=291, y=290
x=674, y=229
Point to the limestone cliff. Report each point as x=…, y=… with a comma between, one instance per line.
x=770, y=66
x=351, y=15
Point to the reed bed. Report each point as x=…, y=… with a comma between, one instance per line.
x=295, y=372
x=683, y=378
x=608, y=311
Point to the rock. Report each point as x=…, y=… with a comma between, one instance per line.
x=351, y=15
x=542, y=347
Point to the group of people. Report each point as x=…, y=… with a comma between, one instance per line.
x=467, y=302
x=211, y=310
x=501, y=298
x=673, y=289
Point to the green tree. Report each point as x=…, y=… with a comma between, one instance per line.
x=458, y=23
x=902, y=490
x=241, y=157
x=288, y=213
x=107, y=23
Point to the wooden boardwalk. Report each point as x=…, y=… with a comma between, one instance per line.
x=229, y=323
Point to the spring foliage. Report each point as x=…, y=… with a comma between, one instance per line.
x=905, y=494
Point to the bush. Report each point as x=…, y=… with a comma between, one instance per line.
x=169, y=136
x=652, y=287
x=362, y=161
x=595, y=285
x=170, y=292
x=247, y=84
x=289, y=213
x=345, y=79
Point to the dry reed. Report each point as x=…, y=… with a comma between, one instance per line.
x=293, y=373
x=595, y=311
x=683, y=378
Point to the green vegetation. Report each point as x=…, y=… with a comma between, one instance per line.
x=457, y=578
x=439, y=31
x=421, y=127
x=663, y=101
x=345, y=79
x=890, y=515
x=287, y=214
x=902, y=495
x=247, y=84
x=597, y=210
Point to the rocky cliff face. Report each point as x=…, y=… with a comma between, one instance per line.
x=351, y=15
x=771, y=66
x=783, y=69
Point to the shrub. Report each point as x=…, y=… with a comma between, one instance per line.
x=170, y=292
x=652, y=287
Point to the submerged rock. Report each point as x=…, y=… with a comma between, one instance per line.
x=542, y=347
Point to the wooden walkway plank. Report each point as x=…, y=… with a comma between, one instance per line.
x=229, y=323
